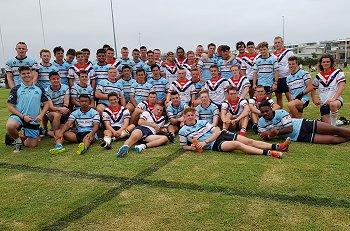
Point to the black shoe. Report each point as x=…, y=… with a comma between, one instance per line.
x=171, y=137
x=344, y=120
x=8, y=139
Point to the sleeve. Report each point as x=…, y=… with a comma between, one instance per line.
x=306, y=77
x=132, y=89
x=271, y=102
x=73, y=92
x=169, y=112
x=255, y=68
x=243, y=64
x=96, y=118
x=43, y=95
x=145, y=115
x=12, y=98
x=261, y=125
x=226, y=85
x=126, y=114
x=315, y=83
x=275, y=66
x=341, y=77
x=8, y=67
x=67, y=92
x=216, y=112
x=71, y=73
x=224, y=106
x=197, y=113
x=105, y=116
x=92, y=73
x=71, y=117
x=246, y=82
x=209, y=126
x=182, y=138
x=99, y=88
x=141, y=105
x=243, y=103
x=35, y=66
x=252, y=101
x=286, y=119
x=192, y=89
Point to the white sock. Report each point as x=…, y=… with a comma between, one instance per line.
x=18, y=140
x=107, y=139
x=142, y=146
x=124, y=133
x=334, y=116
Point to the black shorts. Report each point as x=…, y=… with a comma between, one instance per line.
x=80, y=136
x=304, y=106
x=268, y=90
x=116, y=128
x=251, y=83
x=145, y=131
x=224, y=136
x=326, y=110
x=64, y=118
x=282, y=86
x=307, y=131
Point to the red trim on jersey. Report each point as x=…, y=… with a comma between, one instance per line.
x=182, y=82
x=81, y=67
x=214, y=82
x=236, y=81
x=233, y=105
x=241, y=56
x=116, y=111
x=278, y=53
x=327, y=74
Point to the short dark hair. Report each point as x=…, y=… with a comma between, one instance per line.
x=154, y=66
x=106, y=46
x=70, y=51
x=214, y=66
x=24, y=68
x=85, y=50
x=57, y=49
x=293, y=58
x=231, y=88
x=225, y=48
x=240, y=43
x=82, y=72
x=100, y=51
x=53, y=73
x=180, y=48
x=265, y=103
x=86, y=96
x=174, y=93
x=150, y=52
x=135, y=50
x=143, y=47
x=211, y=44
x=110, y=49
x=152, y=93
x=113, y=93
x=125, y=67
x=250, y=43
x=140, y=70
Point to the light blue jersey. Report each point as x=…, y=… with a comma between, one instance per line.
x=176, y=112
x=57, y=96
x=122, y=62
x=282, y=119
x=101, y=72
x=12, y=66
x=126, y=86
x=207, y=113
x=265, y=69
x=84, y=121
x=105, y=87
x=140, y=91
x=198, y=87
x=160, y=86
x=202, y=130
x=225, y=70
x=43, y=76
x=205, y=66
x=136, y=66
x=63, y=70
x=148, y=71
x=297, y=83
x=78, y=90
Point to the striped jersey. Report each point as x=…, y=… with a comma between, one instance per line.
x=282, y=59
x=140, y=91
x=136, y=66
x=328, y=84
x=116, y=117
x=126, y=86
x=145, y=105
x=57, y=96
x=119, y=63
x=160, y=86
x=12, y=66
x=175, y=112
x=256, y=102
x=198, y=87
x=297, y=83
x=225, y=70
x=105, y=87
x=188, y=68
x=249, y=62
x=201, y=130
x=101, y=72
x=236, y=107
x=63, y=70
x=170, y=71
x=207, y=113
x=185, y=88
x=43, y=74
x=78, y=90
x=180, y=62
x=205, y=66
x=148, y=70
x=217, y=89
x=73, y=72
x=152, y=118
x=84, y=121
x=265, y=69
x=241, y=83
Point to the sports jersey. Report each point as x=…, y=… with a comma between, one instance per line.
x=297, y=83
x=152, y=118
x=73, y=72
x=140, y=91
x=188, y=68
x=27, y=100
x=12, y=66
x=170, y=71
x=240, y=83
x=148, y=70
x=63, y=70
x=78, y=90
x=265, y=69
x=234, y=107
x=136, y=66
x=207, y=113
x=185, y=88
x=175, y=112
x=205, y=66
x=249, y=63
x=43, y=76
x=105, y=87
x=84, y=121
x=160, y=86
x=57, y=96
x=180, y=62
x=328, y=84
x=101, y=72
x=145, y=105
x=256, y=102
x=217, y=89
x=201, y=130
x=119, y=63
x=282, y=58
x=116, y=117
x=281, y=119
x=198, y=87
x=225, y=70
x=126, y=86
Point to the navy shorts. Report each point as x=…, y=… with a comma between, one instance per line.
x=80, y=136
x=282, y=86
x=307, y=131
x=304, y=106
x=268, y=90
x=224, y=136
x=326, y=110
x=145, y=131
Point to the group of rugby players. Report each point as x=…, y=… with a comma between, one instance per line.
x=148, y=100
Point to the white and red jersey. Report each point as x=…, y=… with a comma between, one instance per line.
x=116, y=117
x=152, y=118
x=282, y=58
x=217, y=89
x=256, y=102
x=249, y=62
x=170, y=71
x=73, y=72
x=235, y=107
x=240, y=83
x=185, y=88
x=188, y=66
x=145, y=105
x=328, y=84
x=180, y=62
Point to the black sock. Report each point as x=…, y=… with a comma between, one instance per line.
x=266, y=152
x=274, y=147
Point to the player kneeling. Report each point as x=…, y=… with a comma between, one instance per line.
x=116, y=119
x=211, y=138
x=150, y=124
x=87, y=121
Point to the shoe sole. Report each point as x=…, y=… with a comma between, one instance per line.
x=81, y=147
x=288, y=142
x=122, y=152
x=57, y=151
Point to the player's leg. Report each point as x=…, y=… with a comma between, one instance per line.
x=32, y=137
x=229, y=146
x=151, y=142
x=264, y=145
x=226, y=125
x=100, y=108
x=279, y=99
x=130, y=107
x=327, y=129
x=329, y=139
x=294, y=107
x=55, y=119
x=243, y=123
x=135, y=116
x=334, y=107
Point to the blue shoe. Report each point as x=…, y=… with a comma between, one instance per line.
x=123, y=150
x=139, y=148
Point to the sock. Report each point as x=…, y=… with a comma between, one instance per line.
x=255, y=128
x=274, y=147
x=145, y=146
x=107, y=139
x=18, y=140
x=334, y=116
x=124, y=133
x=266, y=152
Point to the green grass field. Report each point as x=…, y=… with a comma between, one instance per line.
x=169, y=189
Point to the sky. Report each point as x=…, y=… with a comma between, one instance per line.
x=167, y=24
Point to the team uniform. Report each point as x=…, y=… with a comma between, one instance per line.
x=188, y=68
x=176, y=112
x=145, y=105
x=119, y=63
x=148, y=70
x=297, y=83
x=160, y=86
x=283, y=69
x=137, y=65
x=209, y=113
x=198, y=87
x=57, y=98
x=205, y=66
x=105, y=87
x=256, y=102
x=265, y=69
x=84, y=122
x=62, y=70
x=27, y=101
x=327, y=86
x=240, y=83
x=116, y=117
x=12, y=66
x=249, y=62
x=140, y=91
x=101, y=72
x=73, y=72
x=235, y=108
x=170, y=72
x=150, y=117
x=185, y=89
x=78, y=90
x=126, y=86
x=180, y=62
x=217, y=89
x=43, y=76
x=225, y=70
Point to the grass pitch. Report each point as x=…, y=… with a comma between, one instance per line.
x=168, y=189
